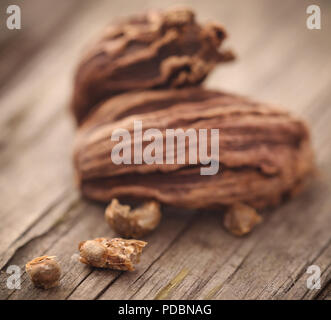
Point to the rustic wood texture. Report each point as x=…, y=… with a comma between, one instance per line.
x=190, y=255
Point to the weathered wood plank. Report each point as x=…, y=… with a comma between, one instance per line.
x=85, y=221
x=35, y=122
x=189, y=256
x=326, y=293
x=299, y=289
x=282, y=257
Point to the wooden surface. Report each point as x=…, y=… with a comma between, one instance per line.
x=190, y=256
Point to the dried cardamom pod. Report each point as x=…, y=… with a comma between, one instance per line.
x=152, y=50
x=264, y=152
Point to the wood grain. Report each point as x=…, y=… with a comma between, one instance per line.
x=190, y=255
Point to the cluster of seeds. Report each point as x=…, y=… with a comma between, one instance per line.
x=123, y=254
